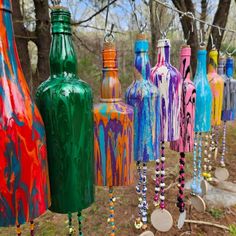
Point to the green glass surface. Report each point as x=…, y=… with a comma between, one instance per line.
x=65, y=103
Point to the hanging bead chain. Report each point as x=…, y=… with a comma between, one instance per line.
x=199, y=162
x=206, y=148
x=216, y=141
x=209, y=149
x=71, y=230
x=18, y=230
x=157, y=187
x=194, y=183
x=162, y=182
x=31, y=228
x=80, y=218
x=138, y=186
x=144, y=195
x=180, y=199
x=112, y=211
x=222, y=159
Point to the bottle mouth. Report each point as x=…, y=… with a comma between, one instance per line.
x=163, y=43
x=5, y=5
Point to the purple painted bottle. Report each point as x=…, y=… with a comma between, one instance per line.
x=169, y=83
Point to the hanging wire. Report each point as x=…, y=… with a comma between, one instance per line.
x=192, y=29
x=202, y=41
x=227, y=49
x=56, y=2
x=213, y=46
x=108, y=36
x=141, y=26
x=189, y=15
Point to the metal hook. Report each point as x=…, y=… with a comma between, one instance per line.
x=108, y=36
x=226, y=50
x=202, y=43
x=213, y=46
x=219, y=30
x=56, y=2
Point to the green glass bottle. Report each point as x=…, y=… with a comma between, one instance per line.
x=65, y=103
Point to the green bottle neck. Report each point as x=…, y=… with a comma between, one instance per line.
x=63, y=57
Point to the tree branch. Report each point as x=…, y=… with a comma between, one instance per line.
x=95, y=14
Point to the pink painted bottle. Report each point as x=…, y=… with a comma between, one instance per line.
x=187, y=110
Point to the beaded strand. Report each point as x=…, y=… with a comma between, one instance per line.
x=194, y=183
x=111, y=218
x=144, y=196
x=162, y=180
x=80, y=218
x=157, y=186
x=180, y=198
x=138, y=186
x=199, y=162
x=71, y=230
x=31, y=228
x=222, y=160
x=18, y=230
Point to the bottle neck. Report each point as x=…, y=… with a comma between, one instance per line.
x=141, y=62
x=229, y=67
x=185, y=55
x=201, y=62
x=213, y=62
x=111, y=87
x=221, y=67
x=62, y=55
x=163, y=55
x=8, y=50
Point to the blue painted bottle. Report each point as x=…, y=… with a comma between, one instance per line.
x=144, y=97
x=203, y=94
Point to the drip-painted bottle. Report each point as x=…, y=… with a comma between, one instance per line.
x=113, y=128
x=229, y=101
x=66, y=104
x=169, y=83
x=24, y=186
x=144, y=97
x=217, y=88
x=203, y=94
x=188, y=102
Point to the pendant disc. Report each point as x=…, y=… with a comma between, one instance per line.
x=182, y=218
x=162, y=220
x=198, y=203
x=204, y=187
x=147, y=233
x=221, y=173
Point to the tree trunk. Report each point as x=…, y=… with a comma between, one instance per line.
x=220, y=19
x=43, y=40
x=21, y=40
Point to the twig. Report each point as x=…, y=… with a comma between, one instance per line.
x=95, y=14
x=207, y=223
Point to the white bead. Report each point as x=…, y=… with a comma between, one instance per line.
x=163, y=158
x=157, y=172
x=205, y=152
x=163, y=172
x=162, y=197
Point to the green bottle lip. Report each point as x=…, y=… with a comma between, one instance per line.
x=61, y=20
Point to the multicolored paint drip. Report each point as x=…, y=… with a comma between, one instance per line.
x=113, y=128
x=144, y=97
x=66, y=103
x=217, y=88
x=229, y=100
x=187, y=110
x=169, y=83
x=24, y=186
x=187, y=121
x=203, y=94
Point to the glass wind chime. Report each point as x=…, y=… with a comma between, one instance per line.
x=24, y=186
x=113, y=132
x=144, y=97
x=66, y=103
x=187, y=120
x=202, y=125
x=217, y=88
x=226, y=70
x=169, y=83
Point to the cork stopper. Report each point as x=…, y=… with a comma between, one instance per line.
x=185, y=46
x=202, y=47
x=109, y=55
x=58, y=7
x=141, y=36
x=109, y=46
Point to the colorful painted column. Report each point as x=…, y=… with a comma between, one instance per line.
x=144, y=97
x=169, y=83
x=66, y=104
x=217, y=88
x=187, y=121
x=202, y=124
x=226, y=70
x=24, y=185
x=113, y=131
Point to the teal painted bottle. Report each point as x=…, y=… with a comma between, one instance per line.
x=65, y=103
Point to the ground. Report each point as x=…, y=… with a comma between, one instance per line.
x=95, y=217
